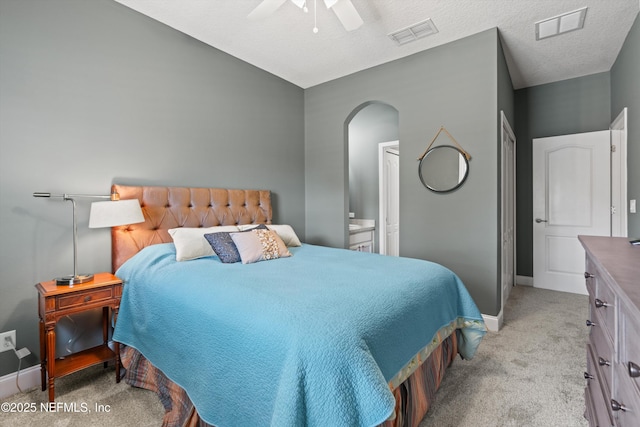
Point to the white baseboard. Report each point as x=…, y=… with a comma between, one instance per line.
x=524, y=280
x=493, y=323
x=29, y=378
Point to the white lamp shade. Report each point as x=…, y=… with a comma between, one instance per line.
x=114, y=213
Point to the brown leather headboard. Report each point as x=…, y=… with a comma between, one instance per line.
x=170, y=207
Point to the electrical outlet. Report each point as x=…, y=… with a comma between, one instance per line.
x=4, y=344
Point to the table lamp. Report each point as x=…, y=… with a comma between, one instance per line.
x=111, y=213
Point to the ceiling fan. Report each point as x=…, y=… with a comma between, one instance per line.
x=344, y=10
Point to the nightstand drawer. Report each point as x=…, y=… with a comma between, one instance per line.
x=83, y=298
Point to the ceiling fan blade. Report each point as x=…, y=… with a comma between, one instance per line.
x=347, y=14
x=266, y=8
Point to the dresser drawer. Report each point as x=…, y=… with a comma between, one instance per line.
x=627, y=396
x=630, y=346
x=603, y=303
x=592, y=412
x=589, y=275
x=588, y=412
x=78, y=299
x=603, y=355
x=596, y=397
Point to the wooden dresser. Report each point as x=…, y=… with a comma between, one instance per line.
x=612, y=273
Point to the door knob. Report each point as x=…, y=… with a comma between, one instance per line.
x=538, y=220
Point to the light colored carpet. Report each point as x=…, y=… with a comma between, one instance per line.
x=528, y=374
x=127, y=406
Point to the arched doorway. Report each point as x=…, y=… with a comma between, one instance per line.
x=369, y=125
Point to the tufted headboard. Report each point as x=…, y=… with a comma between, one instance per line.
x=170, y=207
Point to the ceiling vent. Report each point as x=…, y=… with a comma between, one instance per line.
x=413, y=32
x=560, y=24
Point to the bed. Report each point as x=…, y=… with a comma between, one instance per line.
x=307, y=335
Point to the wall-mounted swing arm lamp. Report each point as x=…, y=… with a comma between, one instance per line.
x=110, y=213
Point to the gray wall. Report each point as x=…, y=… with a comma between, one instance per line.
x=566, y=107
x=505, y=92
x=94, y=93
x=453, y=85
x=625, y=92
x=375, y=123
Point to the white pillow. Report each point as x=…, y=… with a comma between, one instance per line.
x=191, y=244
x=286, y=233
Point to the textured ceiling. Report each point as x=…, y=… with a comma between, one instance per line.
x=285, y=45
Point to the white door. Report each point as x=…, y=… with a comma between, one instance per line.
x=390, y=199
x=619, y=175
x=508, y=209
x=571, y=196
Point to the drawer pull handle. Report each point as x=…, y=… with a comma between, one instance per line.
x=588, y=275
x=616, y=406
x=590, y=323
x=634, y=370
x=603, y=362
x=87, y=298
x=599, y=303
x=588, y=376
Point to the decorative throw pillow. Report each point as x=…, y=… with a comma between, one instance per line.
x=259, y=245
x=285, y=231
x=191, y=244
x=223, y=245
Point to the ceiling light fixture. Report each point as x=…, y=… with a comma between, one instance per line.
x=560, y=24
x=344, y=10
x=413, y=32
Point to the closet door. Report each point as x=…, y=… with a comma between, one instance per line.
x=571, y=196
x=508, y=209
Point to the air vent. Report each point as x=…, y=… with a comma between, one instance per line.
x=413, y=32
x=560, y=24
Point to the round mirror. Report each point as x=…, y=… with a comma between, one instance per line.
x=444, y=168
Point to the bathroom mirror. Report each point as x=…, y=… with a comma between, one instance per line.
x=443, y=168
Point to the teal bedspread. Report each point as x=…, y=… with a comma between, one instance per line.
x=311, y=340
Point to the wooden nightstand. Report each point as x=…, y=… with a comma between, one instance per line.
x=56, y=301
